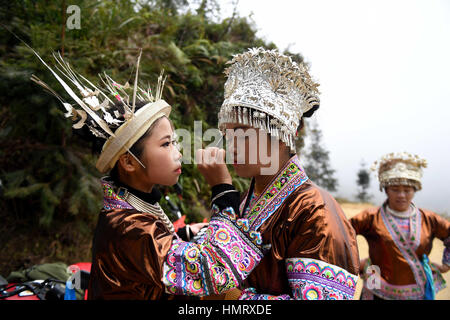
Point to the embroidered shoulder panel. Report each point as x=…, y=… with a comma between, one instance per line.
x=112, y=200
x=290, y=178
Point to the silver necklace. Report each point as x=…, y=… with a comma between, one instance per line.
x=402, y=214
x=143, y=206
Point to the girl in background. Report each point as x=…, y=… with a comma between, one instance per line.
x=400, y=236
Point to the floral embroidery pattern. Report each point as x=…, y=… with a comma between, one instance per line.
x=250, y=294
x=389, y=291
x=217, y=262
x=312, y=279
x=111, y=200
x=407, y=246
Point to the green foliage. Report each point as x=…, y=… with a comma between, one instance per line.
x=48, y=170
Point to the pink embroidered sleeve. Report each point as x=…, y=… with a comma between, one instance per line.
x=312, y=279
x=216, y=263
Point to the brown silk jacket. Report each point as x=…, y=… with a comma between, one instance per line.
x=314, y=254
x=309, y=224
x=384, y=252
x=134, y=275
x=137, y=256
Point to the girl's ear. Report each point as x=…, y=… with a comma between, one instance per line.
x=127, y=162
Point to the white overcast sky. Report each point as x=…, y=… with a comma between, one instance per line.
x=384, y=70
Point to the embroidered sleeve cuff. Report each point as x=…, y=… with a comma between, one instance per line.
x=312, y=279
x=226, y=256
x=250, y=294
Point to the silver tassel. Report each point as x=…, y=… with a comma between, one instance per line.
x=239, y=115
x=245, y=116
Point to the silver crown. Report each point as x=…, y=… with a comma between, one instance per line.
x=401, y=168
x=267, y=90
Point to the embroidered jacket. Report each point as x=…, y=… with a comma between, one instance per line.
x=136, y=256
x=313, y=254
x=398, y=255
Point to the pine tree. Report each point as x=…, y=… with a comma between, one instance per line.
x=363, y=183
x=316, y=159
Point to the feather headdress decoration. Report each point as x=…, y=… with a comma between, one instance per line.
x=121, y=127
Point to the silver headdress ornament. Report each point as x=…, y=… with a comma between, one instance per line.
x=401, y=168
x=267, y=90
x=121, y=129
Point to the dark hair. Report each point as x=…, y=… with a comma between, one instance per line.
x=97, y=143
x=310, y=112
x=137, y=148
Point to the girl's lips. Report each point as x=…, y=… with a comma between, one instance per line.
x=178, y=171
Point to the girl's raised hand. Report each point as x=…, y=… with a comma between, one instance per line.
x=211, y=164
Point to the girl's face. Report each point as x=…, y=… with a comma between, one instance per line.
x=160, y=156
x=400, y=197
x=251, y=150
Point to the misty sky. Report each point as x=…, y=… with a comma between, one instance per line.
x=384, y=70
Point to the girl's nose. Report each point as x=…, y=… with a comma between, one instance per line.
x=402, y=194
x=178, y=154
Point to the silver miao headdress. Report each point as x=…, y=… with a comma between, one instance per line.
x=121, y=129
x=267, y=90
x=401, y=168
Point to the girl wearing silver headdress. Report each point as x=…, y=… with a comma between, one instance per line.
x=400, y=236
x=136, y=253
x=313, y=246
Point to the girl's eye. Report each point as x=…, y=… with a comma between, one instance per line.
x=173, y=142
